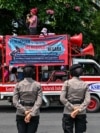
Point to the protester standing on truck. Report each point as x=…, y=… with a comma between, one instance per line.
x=27, y=99
x=32, y=21
x=75, y=97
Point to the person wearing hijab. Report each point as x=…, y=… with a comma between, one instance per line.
x=32, y=21
x=75, y=97
x=27, y=99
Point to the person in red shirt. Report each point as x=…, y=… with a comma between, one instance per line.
x=32, y=21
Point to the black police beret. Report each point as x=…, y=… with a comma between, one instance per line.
x=28, y=71
x=75, y=66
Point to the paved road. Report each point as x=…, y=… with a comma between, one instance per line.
x=50, y=121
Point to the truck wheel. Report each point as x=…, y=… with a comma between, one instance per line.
x=94, y=105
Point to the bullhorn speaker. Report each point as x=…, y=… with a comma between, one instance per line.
x=77, y=40
x=89, y=50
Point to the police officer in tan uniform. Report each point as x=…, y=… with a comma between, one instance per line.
x=27, y=99
x=75, y=98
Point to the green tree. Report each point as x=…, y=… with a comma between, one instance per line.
x=95, y=33
x=70, y=16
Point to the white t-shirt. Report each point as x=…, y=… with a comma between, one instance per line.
x=13, y=78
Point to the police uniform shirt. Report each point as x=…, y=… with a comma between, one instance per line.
x=27, y=90
x=75, y=90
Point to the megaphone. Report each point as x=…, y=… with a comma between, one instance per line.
x=77, y=40
x=89, y=50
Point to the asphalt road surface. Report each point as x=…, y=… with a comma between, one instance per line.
x=50, y=121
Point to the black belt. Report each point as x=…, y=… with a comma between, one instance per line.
x=76, y=102
x=26, y=103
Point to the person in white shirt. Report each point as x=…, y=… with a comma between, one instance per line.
x=13, y=75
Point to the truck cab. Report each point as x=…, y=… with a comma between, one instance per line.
x=91, y=75
x=51, y=56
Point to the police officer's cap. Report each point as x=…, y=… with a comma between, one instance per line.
x=75, y=66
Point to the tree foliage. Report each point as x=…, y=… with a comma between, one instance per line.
x=70, y=16
x=95, y=33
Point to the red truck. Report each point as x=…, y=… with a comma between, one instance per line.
x=52, y=56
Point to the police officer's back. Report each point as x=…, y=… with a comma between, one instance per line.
x=75, y=97
x=27, y=99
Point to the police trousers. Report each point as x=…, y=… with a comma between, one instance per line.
x=78, y=123
x=30, y=127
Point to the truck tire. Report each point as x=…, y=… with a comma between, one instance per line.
x=94, y=104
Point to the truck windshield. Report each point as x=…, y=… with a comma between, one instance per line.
x=90, y=69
